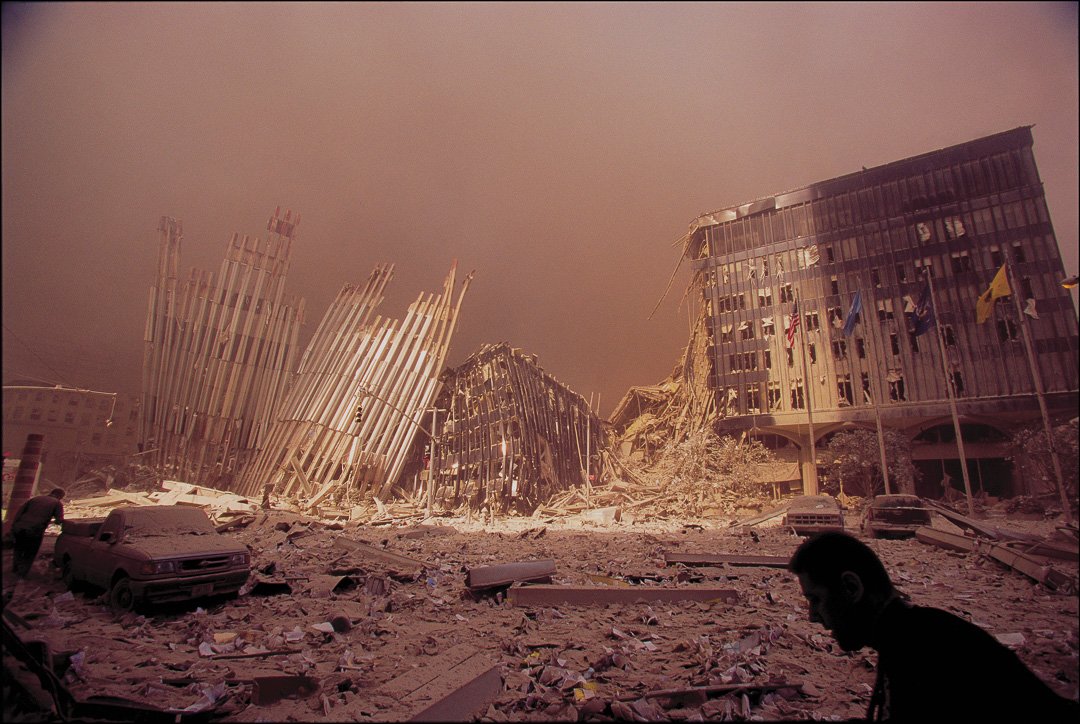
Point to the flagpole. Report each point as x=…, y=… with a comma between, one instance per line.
x=806, y=392
x=952, y=401
x=1037, y=380
x=877, y=421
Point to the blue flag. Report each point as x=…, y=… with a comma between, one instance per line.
x=853, y=315
x=922, y=317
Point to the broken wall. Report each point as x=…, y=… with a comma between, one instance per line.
x=511, y=434
x=218, y=352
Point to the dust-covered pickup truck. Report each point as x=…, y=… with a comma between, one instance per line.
x=151, y=554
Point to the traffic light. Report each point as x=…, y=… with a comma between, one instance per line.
x=359, y=413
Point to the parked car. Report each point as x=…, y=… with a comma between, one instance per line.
x=156, y=553
x=809, y=514
x=895, y=516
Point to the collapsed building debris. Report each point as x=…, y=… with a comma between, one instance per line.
x=218, y=354
x=349, y=420
x=512, y=435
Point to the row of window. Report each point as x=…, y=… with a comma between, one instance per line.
x=973, y=179
x=73, y=399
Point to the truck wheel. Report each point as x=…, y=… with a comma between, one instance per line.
x=121, y=597
x=67, y=574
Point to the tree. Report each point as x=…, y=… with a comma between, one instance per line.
x=853, y=457
x=1029, y=452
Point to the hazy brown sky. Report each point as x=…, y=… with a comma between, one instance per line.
x=557, y=149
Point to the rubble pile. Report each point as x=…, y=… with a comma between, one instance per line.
x=343, y=620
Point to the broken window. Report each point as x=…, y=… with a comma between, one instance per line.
x=767, y=359
x=875, y=277
x=808, y=256
x=914, y=343
x=834, y=286
x=1007, y=330
x=774, y=396
x=742, y=301
x=829, y=258
x=725, y=333
x=860, y=348
x=866, y=386
x=996, y=257
x=813, y=353
x=1018, y=254
x=811, y=321
x=753, y=399
x=961, y=262
x=839, y=348
x=896, y=386
x=797, y=401
x=901, y=273
x=843, y=389
x=958, y=383
x=923, y=231
x=746, y=330
x=790, y=357
x=926, y=264
x=764, y=297
x=954, y=227
x=733, y=362
x=750, y=361
x=895, y=343
x=768, y=328
x=1025, y=288
x=950, y=337
x=786, y=294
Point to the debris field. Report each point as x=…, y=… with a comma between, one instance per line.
x=351, y=621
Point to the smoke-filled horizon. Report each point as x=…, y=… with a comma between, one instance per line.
x=559, y=150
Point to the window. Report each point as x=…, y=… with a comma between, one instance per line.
x=767, y=359
x=1025, y=288
x=839, y=349
x=812, y=321
x=829, y=258
x=73, y=400
x=958, y=382
x=860, y=348
x=914, y=343
x=896, y=387
x=786, y=294
x=843, y=390
x=875, y=277
x=996, y=257
x=895, y=343
x=753, y=399
x=1007, y=330
x=69, y=418
x=950, y=336
x=797, y=401
x=726, y=336
x=742, y=301
x=923, y=231
x=813, y=353
x=733, y=362
x=750, y=361
x=19, y=410
x=1018, y=254
x=901, y=273
x=35, y=413
x=954, y=228
x=834, y=286
x=961, y=262
x=768, y=328
x=764, y=297
x=774, y=395
x=790, y=358
x=866, y=386
x=746, y=330
x=53, y=415
x=885, y=310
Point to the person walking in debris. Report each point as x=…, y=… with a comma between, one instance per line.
x=28, y=528
x=932, y=665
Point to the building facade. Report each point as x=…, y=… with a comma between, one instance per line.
x=958, y=214
x=82, y=428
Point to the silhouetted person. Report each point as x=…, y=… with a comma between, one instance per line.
x=931, y=664
x=28, y=528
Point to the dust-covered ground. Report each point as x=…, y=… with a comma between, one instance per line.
x=557, y=662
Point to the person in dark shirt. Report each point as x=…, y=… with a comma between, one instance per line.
x=28, y=528
x=932, y=665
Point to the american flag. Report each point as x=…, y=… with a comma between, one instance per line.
x=793, y=325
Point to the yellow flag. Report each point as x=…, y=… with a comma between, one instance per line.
x=998, y=288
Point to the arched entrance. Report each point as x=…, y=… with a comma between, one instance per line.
x=934, y=453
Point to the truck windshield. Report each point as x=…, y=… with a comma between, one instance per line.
x=166, y=521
